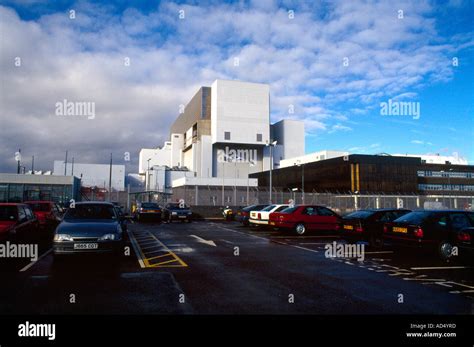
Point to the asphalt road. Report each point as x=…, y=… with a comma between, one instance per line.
x=224, y=268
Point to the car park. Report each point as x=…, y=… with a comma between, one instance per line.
x=176, y=211
x=18, y=223
x=47, y=213
x=148, y=211
x=442, y=231
x=261, y=217
x=303, y=218
x=89, y=227
x=367, y=225
x=243, y=214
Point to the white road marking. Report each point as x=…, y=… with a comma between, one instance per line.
x=201, y=240
x=136, y=249
x=37, y=260
x=441, y=268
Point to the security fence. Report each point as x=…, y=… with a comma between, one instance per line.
x=341, y=202
x=240, y=196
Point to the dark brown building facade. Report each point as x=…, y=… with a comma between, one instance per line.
x=374, y=174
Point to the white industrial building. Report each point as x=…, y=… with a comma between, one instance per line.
x=93, y=175
x=223, y=135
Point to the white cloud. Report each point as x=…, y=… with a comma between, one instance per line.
x=301, y=58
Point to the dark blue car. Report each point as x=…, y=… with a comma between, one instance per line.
x=89, y=227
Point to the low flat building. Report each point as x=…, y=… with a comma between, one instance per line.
x=377, y=174
x=20, y=187
x=93, y=175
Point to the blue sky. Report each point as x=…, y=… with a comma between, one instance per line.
x=405, y=58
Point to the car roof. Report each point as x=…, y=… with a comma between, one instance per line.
x=94, y=203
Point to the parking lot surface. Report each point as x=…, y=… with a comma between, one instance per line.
x=217, y=267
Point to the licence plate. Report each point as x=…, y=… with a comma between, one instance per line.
x=181, y=216
x=348, y=227
x=86, y=245
x=400, y=230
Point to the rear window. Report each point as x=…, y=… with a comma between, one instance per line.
x=360, y=214
x=417, y=217
x=150, y=205
x=39, y=207
x=289, y=209
x=91, y=211
x=269, y=208
x=8, y=213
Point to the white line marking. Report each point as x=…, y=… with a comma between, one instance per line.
x=201, y=240
x=441, y=268
x=135, y=248
x=37, y=260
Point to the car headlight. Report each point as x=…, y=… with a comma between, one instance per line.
x=174, y=213
x=108, y=237
x=62, y=237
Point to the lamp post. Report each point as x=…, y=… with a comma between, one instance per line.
x=299, y=163
x=147, y=176
x=271, y=144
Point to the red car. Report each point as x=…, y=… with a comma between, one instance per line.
x=47, y=213
x=17, y=222
x=302, y=218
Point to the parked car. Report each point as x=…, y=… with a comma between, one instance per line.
x=243, y=214
x=89, y=227
x=433, y=229
x=47, y=213
x=123, y=218
x=261, y=217
x=367, y=225
x=176, y=211
x=18, y=223
x=302, y=218
x=148, y=211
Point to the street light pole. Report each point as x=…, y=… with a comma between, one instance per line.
x=271, y=144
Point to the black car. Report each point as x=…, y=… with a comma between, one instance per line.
x=176, y=211
x=367, y=225
x=89, y=227
x=444, y=231
x=243, y=214
x=122, y=216
x=148, y=211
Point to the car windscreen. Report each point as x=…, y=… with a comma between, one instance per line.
x=416, y=217
x=289, y=209
x=150, y=205
x=39, y=207
x=8, y=213
x=360, y=214
x=90, y=211
x=269, y=208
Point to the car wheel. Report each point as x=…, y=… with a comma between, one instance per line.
x=445, y=250
x=300, y=229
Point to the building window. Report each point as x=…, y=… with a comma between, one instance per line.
x=227, y=135
x=259, y=137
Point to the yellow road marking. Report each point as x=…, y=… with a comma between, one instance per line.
x=163, y=248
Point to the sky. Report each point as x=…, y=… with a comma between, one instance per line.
x=331, y=64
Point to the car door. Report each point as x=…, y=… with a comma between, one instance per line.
x=21, y=229
x=309, y=217
x=31, y=223
x=328, y=220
